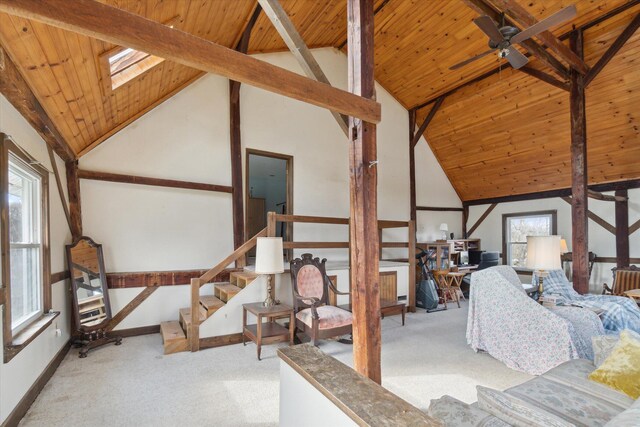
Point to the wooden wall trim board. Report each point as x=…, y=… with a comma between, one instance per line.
x=30, y=396
x=156, y=182
x=134, y=332
x=161, y=278
x=439, y=209
x=14, y=87
x=94, y=19
x=220, y=341
x=132, y=305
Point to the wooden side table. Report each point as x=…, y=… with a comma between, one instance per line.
x=269, y=332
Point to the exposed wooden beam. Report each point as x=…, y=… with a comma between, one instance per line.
x=634, y=227
x=613, y=49
x=465, y=219
x=525, y=19
x=595, y=218
x=540, y=75
x=439, y=209
x=97, y=20
x=482, y=7
x=363, y=173
x=375, y=12
x=427, y=120
x=562, y=192
x=622, y=229
x=14, y=87
x=283, y=25
x=480, y=220
x=128, y=309
x=579, y=189
x=156, y=182
x=604, y=197
x=75, y=205
x=144, y=279
x=56, y=174
x=412, y=165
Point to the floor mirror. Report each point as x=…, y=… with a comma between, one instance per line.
x=92, y=312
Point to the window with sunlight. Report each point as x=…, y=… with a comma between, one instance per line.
x=516, y=229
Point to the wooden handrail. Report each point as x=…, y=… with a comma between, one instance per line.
x=246, y=247
x=313, y=219
x=315, y=245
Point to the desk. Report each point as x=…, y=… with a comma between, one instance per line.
x=269, y=332
x=466, y=269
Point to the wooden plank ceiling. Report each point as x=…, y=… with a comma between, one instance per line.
x=506, y=134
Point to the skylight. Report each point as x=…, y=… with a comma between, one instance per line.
x=127, y=64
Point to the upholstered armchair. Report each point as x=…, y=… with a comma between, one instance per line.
x=624, y=279
x=314, y=316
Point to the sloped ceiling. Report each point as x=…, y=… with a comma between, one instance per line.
x=506, y=134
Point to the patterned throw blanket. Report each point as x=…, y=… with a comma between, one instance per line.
x=619, y=312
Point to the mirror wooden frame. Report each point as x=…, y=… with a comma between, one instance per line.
x=96, y=335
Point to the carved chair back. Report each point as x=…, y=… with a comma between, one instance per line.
x=625, y=279
x=309, y=280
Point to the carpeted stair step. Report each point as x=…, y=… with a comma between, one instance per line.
x=185, y=317
x=173, y=337
x=225, y=291
x=211, y=304
x=242, y=278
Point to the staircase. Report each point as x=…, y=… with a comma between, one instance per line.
x=175, y=333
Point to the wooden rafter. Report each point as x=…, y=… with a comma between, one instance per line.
x=427, y=120
x=604, y=197
x=541, y=75
x=97, y=20
x=14, y=87
x=613, y=49
x=525, y=19
x=283, y=25
x=482, y=7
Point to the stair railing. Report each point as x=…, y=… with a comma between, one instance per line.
x=196, y=283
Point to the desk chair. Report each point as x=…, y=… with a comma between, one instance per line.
x=487, y=259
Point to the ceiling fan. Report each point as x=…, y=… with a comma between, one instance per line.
x=502, y=39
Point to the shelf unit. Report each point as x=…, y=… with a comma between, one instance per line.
x=447, y=250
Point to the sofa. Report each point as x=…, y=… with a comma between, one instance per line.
x=563, y=396
x=513, y=328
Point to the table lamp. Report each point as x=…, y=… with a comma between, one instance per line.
x=269, y=257
x=543, y=254
x=563, y=246
x=444, y=228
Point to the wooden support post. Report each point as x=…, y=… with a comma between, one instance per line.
x=622, y=230
x=271, y=224
x=56, y=174
x=412, y=164
x=73, y=190
x=579, y=190
x=194, y=332
x=465, y=219
x=412, y=267
x=363, y=171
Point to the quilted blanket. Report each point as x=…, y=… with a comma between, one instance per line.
x=619, y=312
x=513, y=328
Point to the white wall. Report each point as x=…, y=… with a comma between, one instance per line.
x=187, y=138
x=17, y=376
x=601, y=241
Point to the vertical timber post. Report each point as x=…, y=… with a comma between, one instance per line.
x=412, y=164
x=365, y=292
x=622, y=230
x=579, y=190
x=75, y=207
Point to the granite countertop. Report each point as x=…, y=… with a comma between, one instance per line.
x=364, y=401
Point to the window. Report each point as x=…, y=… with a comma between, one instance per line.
x=515, y=229
x=25, y=239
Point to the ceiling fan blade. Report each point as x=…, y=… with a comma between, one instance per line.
x=565, y=14
x=489, y=27
x=467, y=61
x=516, y=59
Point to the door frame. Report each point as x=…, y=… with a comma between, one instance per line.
x=289, y=191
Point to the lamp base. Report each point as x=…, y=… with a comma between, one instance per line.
x=270, y=301
x=541, y=276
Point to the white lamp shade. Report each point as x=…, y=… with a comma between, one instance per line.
x=543, y=253
x=269, y=255
x=444, y=227
x=563, y=246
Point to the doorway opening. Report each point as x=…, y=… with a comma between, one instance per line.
x=269, y=188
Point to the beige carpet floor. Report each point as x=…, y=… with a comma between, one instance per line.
x=136, y=385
